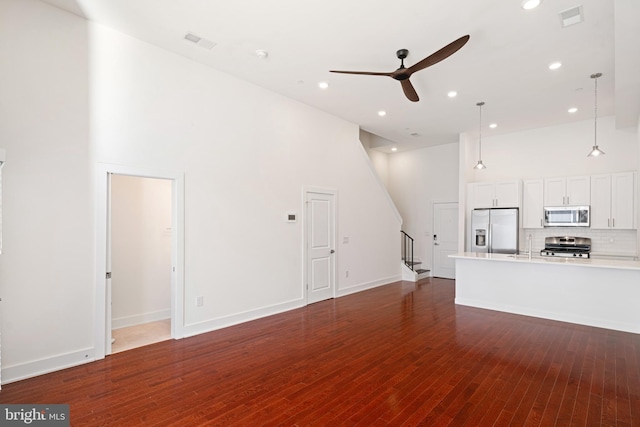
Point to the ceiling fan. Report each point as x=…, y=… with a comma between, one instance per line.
x=402, y=74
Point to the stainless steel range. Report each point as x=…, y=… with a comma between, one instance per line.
x=567, y=246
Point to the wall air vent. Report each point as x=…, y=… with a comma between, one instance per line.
x=571, y=16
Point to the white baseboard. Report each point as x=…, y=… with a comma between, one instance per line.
x=223, y=322
x=370, y=285
x=235, y=319
x=55, y=363
x=44, y=366
x=139, y=319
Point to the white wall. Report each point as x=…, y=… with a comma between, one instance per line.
x=379, y=160
x=3, y=155
x=417, y=179
x=245, y=164
x=74, y=94
x=555, y=151
x=141, y=250
x=47, y=265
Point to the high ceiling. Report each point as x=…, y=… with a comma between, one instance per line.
x=505, y=63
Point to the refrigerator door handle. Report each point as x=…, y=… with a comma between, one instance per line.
x=489, y=235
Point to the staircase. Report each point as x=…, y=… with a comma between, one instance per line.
x=410, y=266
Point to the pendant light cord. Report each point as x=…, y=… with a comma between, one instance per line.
x=595, y=111
x=480, y=104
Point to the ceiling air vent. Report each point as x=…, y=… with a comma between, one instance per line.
x=571, y=16
x=204, y=43
x=414, y=134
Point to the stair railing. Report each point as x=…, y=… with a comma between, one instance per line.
x=407, y=250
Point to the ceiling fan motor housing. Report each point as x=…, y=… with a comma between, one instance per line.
x=402, y=53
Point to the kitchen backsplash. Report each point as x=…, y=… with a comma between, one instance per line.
x=603, y=242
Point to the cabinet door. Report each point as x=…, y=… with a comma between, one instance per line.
x=483, y=195
x=532, y=203
x=578, y=190
x=555, y=191
x=622, y=200
x=507, y=194
x=601, y=201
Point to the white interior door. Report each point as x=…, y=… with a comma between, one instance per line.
x=320, y=245
x=445, y=240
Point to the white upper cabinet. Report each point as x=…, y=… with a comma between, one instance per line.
x=612, y=201
x=497, y=194
x=575, y=190
x=600, y=201
x=532, y=203
x=484, y=194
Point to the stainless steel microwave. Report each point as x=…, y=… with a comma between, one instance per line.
x=566, y=216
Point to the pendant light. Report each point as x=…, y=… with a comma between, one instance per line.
x=595, y=152
x=480, y=165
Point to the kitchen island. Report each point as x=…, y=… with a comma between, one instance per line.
x=594, y=292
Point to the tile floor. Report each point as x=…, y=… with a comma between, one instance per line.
x=140, y=335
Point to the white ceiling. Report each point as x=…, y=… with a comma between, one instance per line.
x=504, y=64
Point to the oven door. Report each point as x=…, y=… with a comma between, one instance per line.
x=566, y=216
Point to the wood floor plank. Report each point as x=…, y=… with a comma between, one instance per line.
x=400, y=354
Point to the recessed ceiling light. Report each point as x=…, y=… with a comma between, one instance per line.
x=452, y=94
x=493, y=125
x=382, y=113
x=555, y=65
x=262, y=54
x=394, y=149
x=530, y=4
x=323, y=85
x=572, y=110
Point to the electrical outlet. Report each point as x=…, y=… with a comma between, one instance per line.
x=346, y=273
x=199, y=301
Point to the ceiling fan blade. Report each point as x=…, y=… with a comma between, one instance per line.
x=440, y=55
x=367, y=73
x=409, y=90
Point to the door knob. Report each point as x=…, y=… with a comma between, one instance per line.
x=332, y=251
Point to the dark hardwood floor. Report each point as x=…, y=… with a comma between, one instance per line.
x=401, y=354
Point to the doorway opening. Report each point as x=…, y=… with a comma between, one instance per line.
x=140, y=253
x=140, y=261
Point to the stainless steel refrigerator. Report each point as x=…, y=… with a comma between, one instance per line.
x=495, y=230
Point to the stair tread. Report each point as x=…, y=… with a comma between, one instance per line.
x=422, y=270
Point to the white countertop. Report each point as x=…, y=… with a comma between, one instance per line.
x=536, y=259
